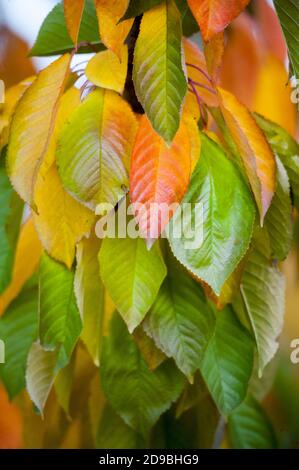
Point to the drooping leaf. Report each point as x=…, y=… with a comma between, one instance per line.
x=63, y=386
x=286, y=147
x=222, y=211
x=73, y=11
x=159, y=175
x=262, y=295
x=27, y=257
x=90, y=295
x=113, y=33
x=214, y=50
x=180, y=320
x=257, y=156
x=11, y=209
x=106, y=70
x=159, y=79
x=228, y=362
x=138, y=395
x=61, y=221
x=18, y=329
x=152, y=355
x=32, y=126
x=288, y=13
x=213, y=16
x=60, y=324
x=53, y=37
x=279, y=217
x=40, y=374
x=132, y=274
x=95, y=147
x=250, y=428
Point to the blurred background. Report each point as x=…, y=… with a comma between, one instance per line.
x=255, y=69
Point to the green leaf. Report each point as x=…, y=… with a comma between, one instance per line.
x=262, y=296
x=138, y=395
x=94, y=146
x=138, y=7
x=250, y=428
x=286, y=147
x=158, y=76
x=228, y=362
x=54, y=39
x=60, y=322
x=132, y=275
x=40, y=374
x=180, y=321
x=11, y=209
x=18, y=329
x=279, y=216
x=288, y=13
x=114, y=433
x=228, y=215
x=90, y=295
x=189, y=23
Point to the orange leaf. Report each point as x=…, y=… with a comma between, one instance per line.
x=256, y=153
x=159, y=174
x=73, y=11
x=213, y=16
x=113, y=34
x=214, y=50
x=11, y=426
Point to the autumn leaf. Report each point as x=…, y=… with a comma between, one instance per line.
x=113, y=33
x=255, y=151
x=213, y=16
x=160, y=175
x=73, y=11
x=32, y=126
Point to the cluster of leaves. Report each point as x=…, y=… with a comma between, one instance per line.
x=169, y=328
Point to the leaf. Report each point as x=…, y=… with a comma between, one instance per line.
x=180, y=321
x=60, y=324
x=250, y=428
x=256, y=153
x=158, y=76
x=228, y=362
x=214, y=50
x=54, y=39
x=159, y=175
x=113, y=33
x=132, y=275
x=279, y=217
x=32, y=126
x=73, y=11
x=272, y=81
x=11, y=423
x=61, y=221
x=63, y=387
x=138, y=395
x=27, y=257
x=95, y=147
x=40, y=374
x=150, y=353
x=262, y=291
x=106, y=70
x=11, y=210
x=213, y=16
x=221, y=209
x=18, y=329
x=90, y=295
x=138, y=7
x=286, y=148
x=288, y=13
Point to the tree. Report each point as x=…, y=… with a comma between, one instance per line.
x=145, y=338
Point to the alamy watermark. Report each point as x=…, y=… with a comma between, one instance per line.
x=295, y=93
x=150, y=221
x=294, y=356
x=2, y=352
x=2, y=92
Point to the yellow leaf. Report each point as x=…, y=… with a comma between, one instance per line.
x=255, y=151
x=113, y=34
x=32, y=126
x=272, y=95
x=73, y=11
x=28, y=254
x=61, y=221
x=107, y=71
x=12, y=96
